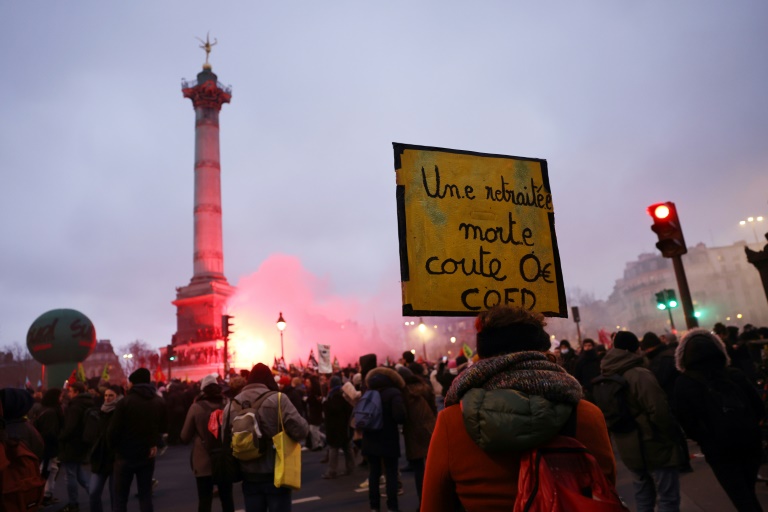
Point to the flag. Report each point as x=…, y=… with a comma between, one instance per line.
x=281, y=365
x=72, y=378
x=336, y=365
x=80, y=373
x=275, y=365
x=39, y=383
x=467, y=351
x=312, y=362
x=105, y=373
x=27, y=383
x=159, y=375
x=605, y=339
x=324, y=353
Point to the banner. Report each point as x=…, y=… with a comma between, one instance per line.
x=324, y=362
x=475, y=230
x=467, y=350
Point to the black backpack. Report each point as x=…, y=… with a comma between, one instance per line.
x=611, y=394
x=225, y=468
x=91, y=420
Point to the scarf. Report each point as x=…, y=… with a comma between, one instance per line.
x=528, y=372
x=109, y=407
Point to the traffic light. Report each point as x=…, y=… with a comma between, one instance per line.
x=226, y=325
x=671, y=299
x=661, y=300
x=666, y=225
x=666, y=299
x=170, y=353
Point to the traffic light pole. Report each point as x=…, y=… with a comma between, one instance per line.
x=671, y=320
x=685, y=293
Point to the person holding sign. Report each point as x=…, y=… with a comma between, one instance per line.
x=513, y=399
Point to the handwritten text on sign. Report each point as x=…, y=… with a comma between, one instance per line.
x=475, y=230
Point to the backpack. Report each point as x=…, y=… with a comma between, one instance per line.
x=563, y=476
x=22, y=486
x=247, y=441
x=611, y=394
x=217, y=441
x=368, y=412
x=91, y=420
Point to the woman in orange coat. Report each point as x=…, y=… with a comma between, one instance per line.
x=513, y=399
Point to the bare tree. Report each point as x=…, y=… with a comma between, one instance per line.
x=24, y=366
x=135, y=355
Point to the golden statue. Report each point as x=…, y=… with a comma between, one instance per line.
x=207, y=45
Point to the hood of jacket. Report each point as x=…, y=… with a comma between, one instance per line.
x=501, y=420
x=145, y=391
x=618, y=360
x=700, y=350
x=382, y=377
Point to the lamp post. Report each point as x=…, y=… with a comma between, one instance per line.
x=751, y=221
x=422, y=329
x=281, y=328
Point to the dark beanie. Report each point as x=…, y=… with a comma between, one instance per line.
x=335, y=381
x=140, y=376
x=367, y=363
x=516, y=337
x=650, y=340
x=261, y=374
x=627, y=341
x=16, y=402
x=408, y=356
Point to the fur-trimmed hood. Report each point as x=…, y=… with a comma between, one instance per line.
x=707, y=352
x=378, y=376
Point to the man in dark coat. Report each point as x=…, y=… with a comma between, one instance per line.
x=661, y=361
x=383, y=446
x=134, y=433
x=652, y=451
x=587, y=367
x=337, y=411
x=73, y=450
x=719, y=409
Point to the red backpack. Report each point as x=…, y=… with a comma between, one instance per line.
x=562, y=476
x=22, y=486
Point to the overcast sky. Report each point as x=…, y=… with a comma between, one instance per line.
x=629, y=102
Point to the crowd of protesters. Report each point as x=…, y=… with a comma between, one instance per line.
x=463, y=421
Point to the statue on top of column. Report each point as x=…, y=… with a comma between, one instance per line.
x=207, y=46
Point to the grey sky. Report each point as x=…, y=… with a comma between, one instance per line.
x=631, y=103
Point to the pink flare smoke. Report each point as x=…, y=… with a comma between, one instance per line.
x=352, y=326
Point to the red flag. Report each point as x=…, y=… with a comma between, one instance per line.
x=605, y=339
x=159, y=375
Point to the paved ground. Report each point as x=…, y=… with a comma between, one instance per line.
x=176, y=490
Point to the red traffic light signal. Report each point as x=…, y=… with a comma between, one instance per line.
x=666, y=225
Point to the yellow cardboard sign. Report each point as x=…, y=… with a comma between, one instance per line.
x=475, y=230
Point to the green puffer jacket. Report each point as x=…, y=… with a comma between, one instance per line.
x=508, y=420
x=658, y=433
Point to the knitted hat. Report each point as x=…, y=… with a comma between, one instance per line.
x=335, y=381
x=494, y=341
x=208, y=380
x=261, y=374
x=627, y=341
x=140, y=376
x=408, y=356
x=16, y=402
x=285, y=380
x=650, y=340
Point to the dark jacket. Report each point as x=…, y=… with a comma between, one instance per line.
x=419, y=399
x=48, y=424
x=72, y=447
x=661, y=361
x=705, y=370
x=103, y=456
x=337, y=412
x=586, y=368
x=137, y=424
x=657, y=442
x=386, y=442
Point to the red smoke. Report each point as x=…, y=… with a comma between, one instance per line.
x=352, y=326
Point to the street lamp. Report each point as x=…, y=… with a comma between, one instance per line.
x=281, y=328
x=751, y=221
x=422, y=330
